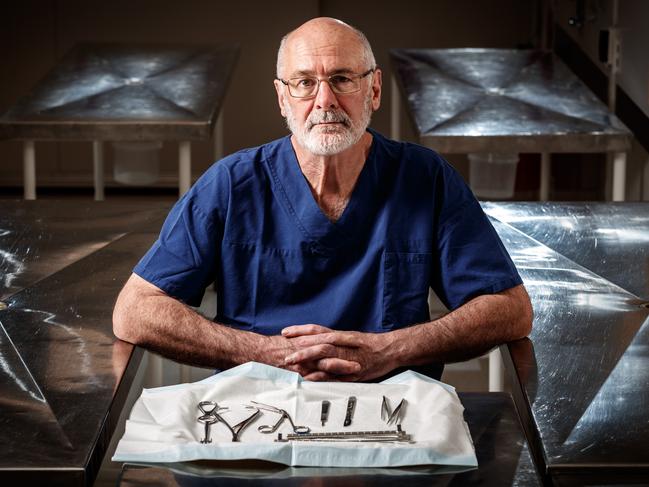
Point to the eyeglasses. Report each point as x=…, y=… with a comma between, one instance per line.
x=307, y=86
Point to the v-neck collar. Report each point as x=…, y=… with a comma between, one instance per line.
x=297, y=198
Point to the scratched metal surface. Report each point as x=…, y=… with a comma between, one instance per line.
x=38, y=238
x=609, y=239
x=583, y=375
x=111, y=91
x=63, y=375
x=502, y=100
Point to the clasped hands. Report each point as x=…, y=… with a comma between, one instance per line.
x=319, y=353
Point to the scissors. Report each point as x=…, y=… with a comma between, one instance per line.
x=266, y=428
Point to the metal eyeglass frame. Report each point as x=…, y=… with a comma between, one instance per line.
x=328, y=80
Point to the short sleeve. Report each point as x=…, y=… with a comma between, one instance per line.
x=472, y=259
x=182, y=262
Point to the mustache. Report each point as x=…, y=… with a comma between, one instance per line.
x=328, y=117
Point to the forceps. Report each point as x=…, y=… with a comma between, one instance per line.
x=266, y=428
x=392, y=416
x=212, y=416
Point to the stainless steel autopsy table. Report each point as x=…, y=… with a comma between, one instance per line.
x=501, y=449
x=582, y=379
x=504, y=100
x=123, y=92
x=63, y=375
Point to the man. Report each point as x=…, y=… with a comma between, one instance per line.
x=323, y=245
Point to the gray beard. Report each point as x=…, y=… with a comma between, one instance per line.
x=329, y=140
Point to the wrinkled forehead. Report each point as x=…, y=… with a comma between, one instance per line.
x=323, y=51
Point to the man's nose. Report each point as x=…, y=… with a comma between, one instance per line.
x=325, y=97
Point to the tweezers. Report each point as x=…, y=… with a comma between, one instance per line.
x=390, y=416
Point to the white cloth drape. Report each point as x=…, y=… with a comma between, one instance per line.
x=163, y=424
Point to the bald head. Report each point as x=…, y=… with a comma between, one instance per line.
x=328, y=33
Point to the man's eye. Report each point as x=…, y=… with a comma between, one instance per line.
x=340, y=80
x=305, y=82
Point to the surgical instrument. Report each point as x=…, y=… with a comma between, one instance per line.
x=212, y=416
x=265, y=428
x=392, y=417
x=324, y=413
x=208, y=420
x=386, y=411
x=397, y=435
x=208, y=417
x=351, y=405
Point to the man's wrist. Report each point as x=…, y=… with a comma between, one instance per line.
x=271, y=350
x=392, y=349
x=403, y=349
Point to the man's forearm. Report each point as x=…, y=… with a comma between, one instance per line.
x=178, y=332
x=467, y=332
x=166, y=326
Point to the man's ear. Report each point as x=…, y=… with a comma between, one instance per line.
x=279, y=88
x=377, y=83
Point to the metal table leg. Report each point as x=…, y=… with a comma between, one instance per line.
x=154, y=375
x=546, y=167
x=184, y=167
x=395, y=110
x=29, y=170
x=218, y=137
x=619, y=176
x=496, y=371
x=98, y=168
x=645, y=181
x=185, y=374
x=218, y=155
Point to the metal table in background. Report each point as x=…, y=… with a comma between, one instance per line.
x=581, y=381
x=504, y=100
x=123, y=92
x=63, y=375
x=501, y=448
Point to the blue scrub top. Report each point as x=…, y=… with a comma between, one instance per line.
x=251, y=225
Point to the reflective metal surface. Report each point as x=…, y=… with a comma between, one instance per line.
x=609, y=239
x=63, y=376
x=581, y=380
x=126, y=92
x=38, y=238
x=502, y=100
x=583, y=375
x=503, y=458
